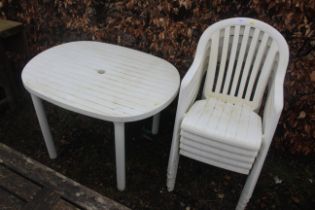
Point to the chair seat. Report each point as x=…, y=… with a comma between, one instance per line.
x=214, y=156
x=209, y=143
x=225, y=124
x=220, y=153
x=214, y=162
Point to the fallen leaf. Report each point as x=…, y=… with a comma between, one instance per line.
x=221, y=195
x=277, y=180
x=295, y=199
x=302, y=115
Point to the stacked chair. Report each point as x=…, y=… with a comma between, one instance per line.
x=233, y=123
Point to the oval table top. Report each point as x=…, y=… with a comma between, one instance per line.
x=102, y=80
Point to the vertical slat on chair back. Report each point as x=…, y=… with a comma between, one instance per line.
x=241, y=59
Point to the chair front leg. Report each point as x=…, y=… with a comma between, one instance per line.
x=172, y=170
x=173, y=160
x=252, y=179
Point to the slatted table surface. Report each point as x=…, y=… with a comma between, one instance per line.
x=28, y=185
x=102, y=80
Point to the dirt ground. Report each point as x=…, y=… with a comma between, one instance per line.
x=86, y=154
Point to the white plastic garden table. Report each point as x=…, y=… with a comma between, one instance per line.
x=103, y=81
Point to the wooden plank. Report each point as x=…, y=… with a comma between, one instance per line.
x=64, y=205
x=9, y=201
x=65, y=187
x=46, y=199
x=17, y=184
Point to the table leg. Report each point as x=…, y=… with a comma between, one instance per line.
x=6, y=76
x=42, y=119
x=120, y=155
x=156, y=124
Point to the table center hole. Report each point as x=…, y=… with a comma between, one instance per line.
x=100, y=71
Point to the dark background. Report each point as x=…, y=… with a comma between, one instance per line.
x=171, y=30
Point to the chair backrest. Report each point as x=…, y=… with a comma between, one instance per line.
x=242, y=54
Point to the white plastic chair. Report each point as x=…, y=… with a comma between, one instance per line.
x=241, y=57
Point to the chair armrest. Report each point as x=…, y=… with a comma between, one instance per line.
x=188, y=92
x=191, y=82
x=272, y=110
x=274, y=103
x=190, y=85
